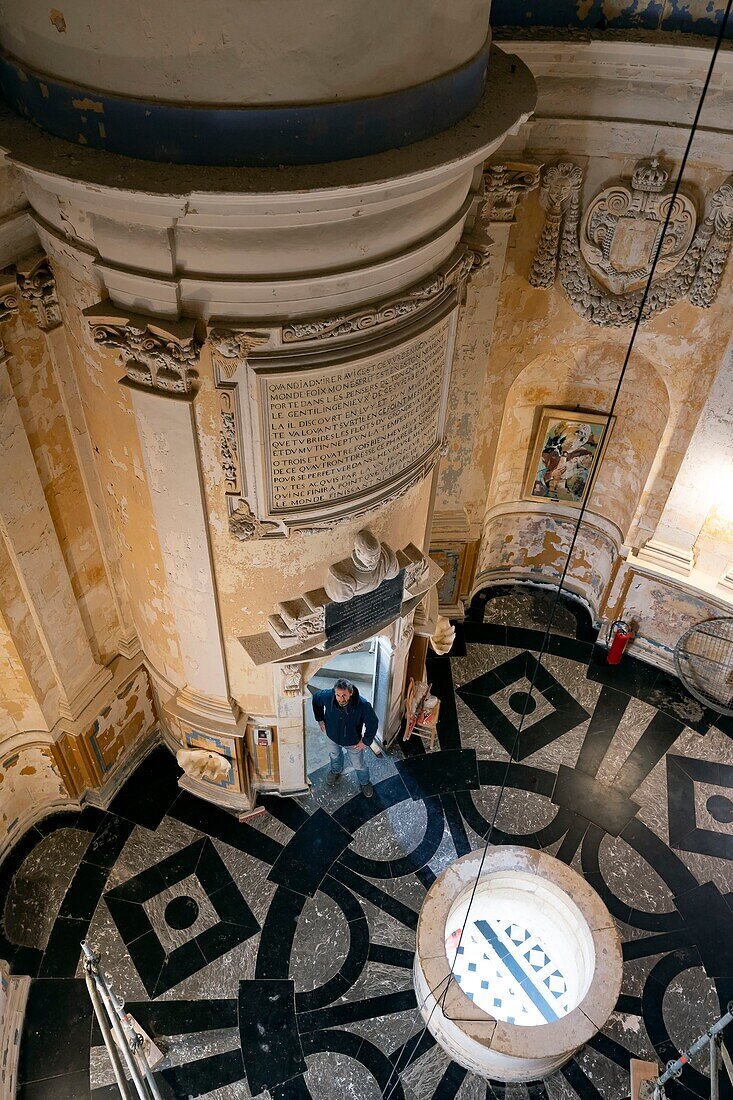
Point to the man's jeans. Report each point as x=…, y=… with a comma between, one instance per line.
x=356, y=759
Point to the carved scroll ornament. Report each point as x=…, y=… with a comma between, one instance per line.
x=453, y=273
x=604, y=258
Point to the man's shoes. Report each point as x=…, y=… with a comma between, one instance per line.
x=332, y=778
x=367, y=790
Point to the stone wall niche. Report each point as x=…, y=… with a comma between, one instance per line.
x=542, y=926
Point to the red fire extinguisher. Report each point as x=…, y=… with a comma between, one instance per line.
x=620, y=635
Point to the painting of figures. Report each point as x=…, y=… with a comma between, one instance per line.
x=565, y=451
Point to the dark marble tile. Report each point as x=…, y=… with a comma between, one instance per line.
x=129, y=916
x=513, y=723
x=61, y=957
x=708, y=919
x=72, y=1086
x=391, y=956
x=271, y=1048
x=204, y=1075
x=358, y=812
x=56, y=1030
x=382, y=900
x=659, y=689
x=148, y=795
x=604, y=722
x=184, y=1017
x=278, y=932
x=82, y=897
x=590, y=799
x=683, y=774
x=216, y=822
x=354, y=1010
x=655, y=741
x=108, y=841
x=439, y=773
x=306, y=860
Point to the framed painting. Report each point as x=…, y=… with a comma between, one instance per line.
x=565, y=452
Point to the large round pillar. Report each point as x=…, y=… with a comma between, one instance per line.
x=264, y=358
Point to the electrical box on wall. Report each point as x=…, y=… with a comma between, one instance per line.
x=263, y=753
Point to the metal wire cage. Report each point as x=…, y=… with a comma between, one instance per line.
x=703, y=657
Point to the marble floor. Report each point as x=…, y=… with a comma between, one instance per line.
x=273, y=958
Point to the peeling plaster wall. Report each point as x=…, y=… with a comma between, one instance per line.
x=39, y=401
x=113, y=432
x=19, y=624
x=125, y=721
x=29, y=786
x=534, y=546
x=533, y=323
x=661, y=609
x=19, y=709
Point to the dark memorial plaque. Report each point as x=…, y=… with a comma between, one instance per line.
x=365, y=613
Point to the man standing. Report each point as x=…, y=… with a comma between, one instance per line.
x=350, y=723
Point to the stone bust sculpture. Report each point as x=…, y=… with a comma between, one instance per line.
x=371, y=563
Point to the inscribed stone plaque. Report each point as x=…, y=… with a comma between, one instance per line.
x=334, y=433
x=364, y=613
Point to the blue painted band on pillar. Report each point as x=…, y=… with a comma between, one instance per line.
x=312, y=133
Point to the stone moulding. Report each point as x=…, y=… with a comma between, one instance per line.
x=158, y=354
x=231, y=347
x=604, y=258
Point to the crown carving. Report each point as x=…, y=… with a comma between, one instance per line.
x=648, y=175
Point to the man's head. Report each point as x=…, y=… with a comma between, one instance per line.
x=342, y=689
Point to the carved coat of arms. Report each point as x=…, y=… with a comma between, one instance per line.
x=604, y=256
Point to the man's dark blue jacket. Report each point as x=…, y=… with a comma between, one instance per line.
x=346, y=725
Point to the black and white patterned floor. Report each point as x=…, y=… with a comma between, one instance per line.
x=274, y=958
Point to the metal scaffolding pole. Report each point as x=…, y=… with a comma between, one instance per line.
x=122, y=1039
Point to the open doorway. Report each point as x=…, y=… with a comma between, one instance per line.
x=368, y=667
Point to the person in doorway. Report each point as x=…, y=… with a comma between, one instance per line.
x=349, y=723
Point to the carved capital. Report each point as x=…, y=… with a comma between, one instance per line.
x=36, y=283
x=504, y=186
x=159, y=354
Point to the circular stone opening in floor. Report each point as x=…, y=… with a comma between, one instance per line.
x=514, y=976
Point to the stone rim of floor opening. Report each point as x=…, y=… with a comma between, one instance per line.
x=482, y=1043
